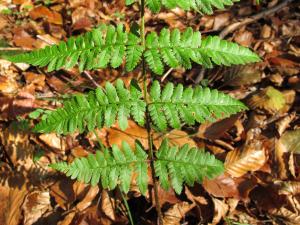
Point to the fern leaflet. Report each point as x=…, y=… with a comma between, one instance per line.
x=174, y=105
x=97, y=109
x=110, y=168
x=184, y=165
x=173, y=166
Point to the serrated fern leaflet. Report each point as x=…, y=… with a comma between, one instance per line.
x=173, y=166
x=112, y=45
x=172, y=107
x=204, y=6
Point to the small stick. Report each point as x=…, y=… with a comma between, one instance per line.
x=90, y=78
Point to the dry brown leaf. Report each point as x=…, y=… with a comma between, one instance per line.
x=68, y=219
x=44, y=12
x=284, y=123
x=289, y=187
x=237, y=76
x=14, y=203
x=176, y=213
x=216, y=130
x=8, y=85
x=108, y=205
x=89, y=197
x=243, y=37
x=35, y=205
x=135, y=132
x=250, y=157
x=221, y=209
x=225, y=186
x=287, y=216
x=221, y=21
x=269, y=99
x=289, y=141
x=54, y=142
x=63, y=193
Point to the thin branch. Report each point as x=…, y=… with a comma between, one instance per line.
x=88, y=75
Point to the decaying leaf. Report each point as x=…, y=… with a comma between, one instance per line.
x=289, y=141
x=269, y=99
x=221, y=209
x=176, y=213
x=286, y=216
x=35, y=205
x=108, y=205
x=284, y=123
x=250, y=157
x=289, y=187
x=242, y=75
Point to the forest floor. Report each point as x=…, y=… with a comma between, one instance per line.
x=260, y=147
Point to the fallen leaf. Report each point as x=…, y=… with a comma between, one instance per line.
x=108, y=205
x=89, y=197
x=269, y=99
x=221, y=209
x=250, y=157
x=35, y=205
x=44, y=12
x=176, y=213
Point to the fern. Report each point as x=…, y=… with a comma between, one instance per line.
x=110, y=168
x=169, y=107
x=174, y=105
x=109, y=45
x=184, y=165
x=97, y=109
x=204, y=6
x=116, y=167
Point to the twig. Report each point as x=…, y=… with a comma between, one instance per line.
x=166, y=74
x=245, y=21
x=90, y=78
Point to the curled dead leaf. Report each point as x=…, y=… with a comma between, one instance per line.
x=250, y=157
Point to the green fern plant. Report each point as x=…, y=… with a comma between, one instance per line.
x=156, y=106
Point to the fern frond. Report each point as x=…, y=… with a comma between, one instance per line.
x=173, y=166
x=110, y=45
x=97, y=109
x=110, y=168
x=203, y=6
x=170, y=107
x=174, y=105
x=96, y=49
x=184, y=165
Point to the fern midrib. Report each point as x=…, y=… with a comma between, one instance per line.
x=72, y=51
x=236, y=54
x=190, y=103
x=116, y=165
x=186, y=163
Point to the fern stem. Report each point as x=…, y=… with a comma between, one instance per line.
x=102, y=147
x=148, y=122
x=127, y=207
